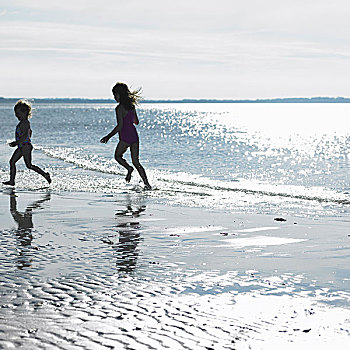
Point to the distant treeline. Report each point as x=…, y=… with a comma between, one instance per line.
x=272, y=100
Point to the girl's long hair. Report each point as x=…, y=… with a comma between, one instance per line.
x=129, y=99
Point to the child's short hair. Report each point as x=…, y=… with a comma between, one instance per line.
x=24, y=106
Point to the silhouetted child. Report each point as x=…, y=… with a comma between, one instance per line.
x=23, y=111
x=128, y=137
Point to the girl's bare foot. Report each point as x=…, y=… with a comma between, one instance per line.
x=48, y=178
x=128, y=175
x=9, y=183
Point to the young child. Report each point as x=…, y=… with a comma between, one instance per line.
x=23, y=111
x=128, y=137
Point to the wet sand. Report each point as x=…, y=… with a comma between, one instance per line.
x=98, y=271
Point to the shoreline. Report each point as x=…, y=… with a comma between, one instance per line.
x=73, y=100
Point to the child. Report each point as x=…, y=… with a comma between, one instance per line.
x=128, y=137
x=23, y=111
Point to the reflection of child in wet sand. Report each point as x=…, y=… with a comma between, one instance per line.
x=25, y=228
x=128, y=137
x=129, y=238
x=23, y=111
x=24, y=219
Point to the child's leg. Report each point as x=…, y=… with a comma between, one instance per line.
x=16, y=156
x=27, y=156
x=119, y=151
x=134, y=148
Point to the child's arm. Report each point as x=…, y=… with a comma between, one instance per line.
x=136, y=119
x=116, y=129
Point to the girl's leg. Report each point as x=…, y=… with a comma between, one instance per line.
x=118, y=155
x=134, y=148
x=27, y=156
x=17, y=154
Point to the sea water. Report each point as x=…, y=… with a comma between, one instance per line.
x=262, y=158
x=95, y=261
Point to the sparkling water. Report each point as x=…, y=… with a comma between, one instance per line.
x=96, y=262
x=265, y=158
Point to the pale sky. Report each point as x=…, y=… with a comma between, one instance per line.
x=175, y=49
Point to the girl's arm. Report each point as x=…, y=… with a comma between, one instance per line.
x=136, y=119
x=116, y=129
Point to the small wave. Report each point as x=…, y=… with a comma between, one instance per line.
x=77, y=157
x=277, y=193
x=172, y=184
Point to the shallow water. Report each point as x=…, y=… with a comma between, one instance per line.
x=270, y=158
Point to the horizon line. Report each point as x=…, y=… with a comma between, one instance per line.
x=338, y=99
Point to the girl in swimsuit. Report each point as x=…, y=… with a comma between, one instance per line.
x=128, y=137
x=23, y=111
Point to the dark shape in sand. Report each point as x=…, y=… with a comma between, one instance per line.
x=279, y=219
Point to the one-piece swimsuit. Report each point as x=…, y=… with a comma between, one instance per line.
x=23, y=130
x=128, y=132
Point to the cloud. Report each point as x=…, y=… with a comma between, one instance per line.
x=259, y=47
x=278, y=17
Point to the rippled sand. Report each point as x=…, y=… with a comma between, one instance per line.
x=93, y=271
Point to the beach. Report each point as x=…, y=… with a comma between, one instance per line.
x=105, y=271
x=174, y=175
x=242, y=243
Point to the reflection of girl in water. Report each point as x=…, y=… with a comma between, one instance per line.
x=25, y=227
x=129, y=238
x=128, y=137
x=23, y=111
x=24, y=221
